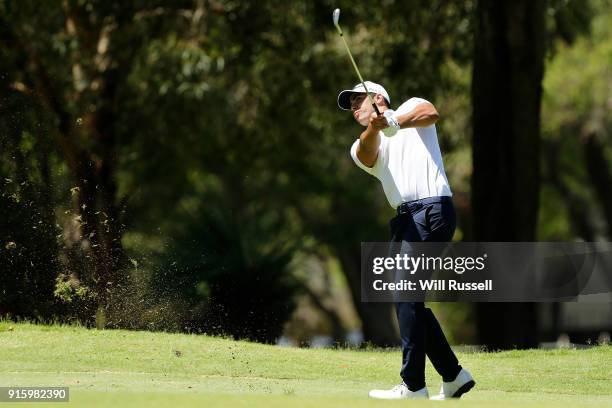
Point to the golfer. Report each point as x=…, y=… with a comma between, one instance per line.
x=400, y=148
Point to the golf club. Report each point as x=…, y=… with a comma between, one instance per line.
x=336, y=17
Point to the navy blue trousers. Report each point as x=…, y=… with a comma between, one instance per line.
x=430, y=219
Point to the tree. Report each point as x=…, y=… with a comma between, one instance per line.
x=509, y=53
x=161, y=110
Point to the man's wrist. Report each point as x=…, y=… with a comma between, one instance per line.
x=393, y=124
x=370, y=131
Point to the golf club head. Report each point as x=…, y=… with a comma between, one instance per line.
x=336, y=16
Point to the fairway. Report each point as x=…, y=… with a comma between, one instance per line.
x=128, y=369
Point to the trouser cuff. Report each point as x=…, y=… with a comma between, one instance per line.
x=453, y=376
x=414, y=386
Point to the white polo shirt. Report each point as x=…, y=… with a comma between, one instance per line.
x=409, y=164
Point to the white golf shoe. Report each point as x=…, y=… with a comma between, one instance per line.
x=455, y=389
x=400, y=391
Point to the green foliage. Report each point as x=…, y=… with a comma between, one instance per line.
x=218, y=116
x=217, y=125
x=576, y=104
x=69, y=289
x=228, y=280
x=256, y=135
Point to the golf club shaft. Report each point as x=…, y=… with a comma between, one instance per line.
x=359, y=74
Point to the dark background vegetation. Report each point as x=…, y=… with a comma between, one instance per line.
x=182, y=165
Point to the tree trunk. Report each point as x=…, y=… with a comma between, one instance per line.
x=506, y=91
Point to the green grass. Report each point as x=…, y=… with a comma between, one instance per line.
x=143, y=369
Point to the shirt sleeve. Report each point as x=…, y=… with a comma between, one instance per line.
x=380, y=160
x=409, y=105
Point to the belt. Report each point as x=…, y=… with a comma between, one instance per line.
x=413, y=206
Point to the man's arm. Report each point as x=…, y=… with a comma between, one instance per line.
x=423, y=115
x=369, y=140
